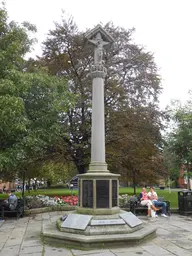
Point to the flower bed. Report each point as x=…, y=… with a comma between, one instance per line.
x=66, y=200
x=40, y=201
x=124, y=200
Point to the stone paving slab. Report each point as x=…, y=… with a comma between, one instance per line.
x=31, y=242
x=13, y=242
x=52, y=251
x=1, y=222
x=154, y=249
x=31, y=249
x=10, y=251
x=33, y=254
x=22, y=237
x=1, y=245
x=132, y=253
x=107, y=253
x=88, y=252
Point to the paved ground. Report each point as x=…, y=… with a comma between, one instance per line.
x=22, y=237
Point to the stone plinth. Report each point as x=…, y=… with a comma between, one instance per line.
x=98, y=193
x=96, y=231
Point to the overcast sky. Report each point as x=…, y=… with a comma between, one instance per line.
x=164, y=27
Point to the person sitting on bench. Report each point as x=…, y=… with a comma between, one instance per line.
x=153, y=196
x=146, y=201
x=11, y=202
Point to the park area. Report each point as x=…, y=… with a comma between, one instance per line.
x=84, y=141
x=68, y=194
x=22, y=236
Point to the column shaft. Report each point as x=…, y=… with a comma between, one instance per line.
x=98, y=125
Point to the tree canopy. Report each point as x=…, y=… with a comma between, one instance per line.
x=45, y=103
x=132, y=86
x=31, y=104
x=179, y=140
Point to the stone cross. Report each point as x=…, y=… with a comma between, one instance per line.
x=100, y=39
x=98, y=188
x=98, y=51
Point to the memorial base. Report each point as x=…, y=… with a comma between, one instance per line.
x=98, y=211
x=98, y=193
x=98, y=231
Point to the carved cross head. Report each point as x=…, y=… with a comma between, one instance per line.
x=99, y=34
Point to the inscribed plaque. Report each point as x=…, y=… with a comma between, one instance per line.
x=130, y=219
x=76, y=221
x=87, y=193
x=102, y=193
x=114, y=193
x=107, y=222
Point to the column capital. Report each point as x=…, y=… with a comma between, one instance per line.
x=99, y=71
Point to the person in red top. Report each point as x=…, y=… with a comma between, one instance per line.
x=146, y=201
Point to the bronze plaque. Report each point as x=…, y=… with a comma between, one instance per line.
x=102, y=193
x=87, y=194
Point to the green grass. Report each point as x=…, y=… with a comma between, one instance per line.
x=172, y=197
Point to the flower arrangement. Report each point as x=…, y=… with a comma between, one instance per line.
x=66, y=200
x=44, y=201
x=123, y=200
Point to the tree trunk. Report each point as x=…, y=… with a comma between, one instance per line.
x=127, y=179
x=49, y=182
x=23, y=188
x=28, y=187
x=188, y=181
x=36, y=185
x=188, y=177
x=134, y=181
x=81, y=169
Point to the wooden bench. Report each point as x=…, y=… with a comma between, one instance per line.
x=18, y=211
x=136, y=207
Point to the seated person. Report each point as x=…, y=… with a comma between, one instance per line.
x=11, y=202
x=154, y=198
x=146, y=201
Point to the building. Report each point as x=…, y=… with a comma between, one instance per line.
x=183, y=180
x=8, y=185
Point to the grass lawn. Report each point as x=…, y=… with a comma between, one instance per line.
x=172, y=197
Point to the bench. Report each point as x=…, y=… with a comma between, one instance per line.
x=18, y=211
x=136, y=207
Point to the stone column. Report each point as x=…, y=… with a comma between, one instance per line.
x=98, y=73
x=99, y=186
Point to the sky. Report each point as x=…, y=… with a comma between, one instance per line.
x=162, y=26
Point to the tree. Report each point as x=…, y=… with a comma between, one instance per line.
x=136, y=154
x=132, y=85
x=43, y=99
x=180, y=138
x=57, y=172
x=14, y=44
x=171, y=162
x=31, y=104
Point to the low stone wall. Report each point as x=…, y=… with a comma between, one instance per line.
x=68, y=208
x=49, y=209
